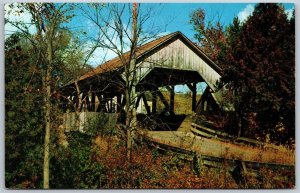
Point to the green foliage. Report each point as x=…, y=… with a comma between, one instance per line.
x=262, y=71
x=73, y=60
x=258, y=61
x=23, y=115
x=210, y=35
x=74, y=166
x=102, y=124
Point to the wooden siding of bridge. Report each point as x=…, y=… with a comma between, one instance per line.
x=178, y=55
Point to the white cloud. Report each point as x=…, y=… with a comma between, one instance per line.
x=247, y=11
x=102, y=55
x=289, y=13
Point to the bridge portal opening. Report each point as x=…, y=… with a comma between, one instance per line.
x=161, y=66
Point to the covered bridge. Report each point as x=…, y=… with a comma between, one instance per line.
x=164, y=62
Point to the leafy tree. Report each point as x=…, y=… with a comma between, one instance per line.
x=258, y=61
x=43, y=63
x=74, y=166
x=23, y=115
x=210, y=35
x=72, y=60
x=261, y=72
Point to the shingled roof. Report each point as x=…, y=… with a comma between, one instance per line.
x=116, y=63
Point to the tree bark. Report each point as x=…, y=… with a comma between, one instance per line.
x=47, y=97
x=130, y=85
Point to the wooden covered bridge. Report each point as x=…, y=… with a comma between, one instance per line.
x=165, y=62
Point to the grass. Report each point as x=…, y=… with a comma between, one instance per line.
x=182, y=102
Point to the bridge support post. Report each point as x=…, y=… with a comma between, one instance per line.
x=154, y=100
x=239, y=172
x=172, y=97
x=146, y=104
x=197, y=164
x=98, y=108
x=193, y=88
x=92, y=102
x=163, y=99
x=138, y=101
x=119, y=105
x=103, y=104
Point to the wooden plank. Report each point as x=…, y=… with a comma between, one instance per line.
x=213, y=132
x=249, y=168
x=250, y=141
x=233, y=139
x=185, y=58
x=218, y=149
x=201, y=133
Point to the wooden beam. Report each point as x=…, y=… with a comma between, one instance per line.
x=154, y=101
x=172, y=97
x=123, y=102
x=83, y=102
x=110, y=105
x=146, y=104
x=163, y=99
x=93, y=102
x=200, y=104
x=198, y=164
x=103, y=104
x=138, y=101
x=97, y=102
x=75, y=101
x=119, y=103
x=88, y=102
x=193, y=88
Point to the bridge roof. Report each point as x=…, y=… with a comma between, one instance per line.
x=145, y=49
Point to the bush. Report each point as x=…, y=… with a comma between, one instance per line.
x=74, y=166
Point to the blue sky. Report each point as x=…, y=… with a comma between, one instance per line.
x=167, y=17
x=178, y=13
x=171, y=17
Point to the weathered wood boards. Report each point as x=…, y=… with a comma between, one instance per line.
x=180, y=53
x=86, y=119
x=210, y=133
x=215, y=148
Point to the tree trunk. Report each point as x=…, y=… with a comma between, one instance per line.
x=131, y=109
x=47, y=96
x=240, y=123
x=130, y=85
x=78, y=108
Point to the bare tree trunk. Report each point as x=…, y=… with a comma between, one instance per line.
x=128, y=121
x=78, y=108
x=130, y=93
x=47, y=96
